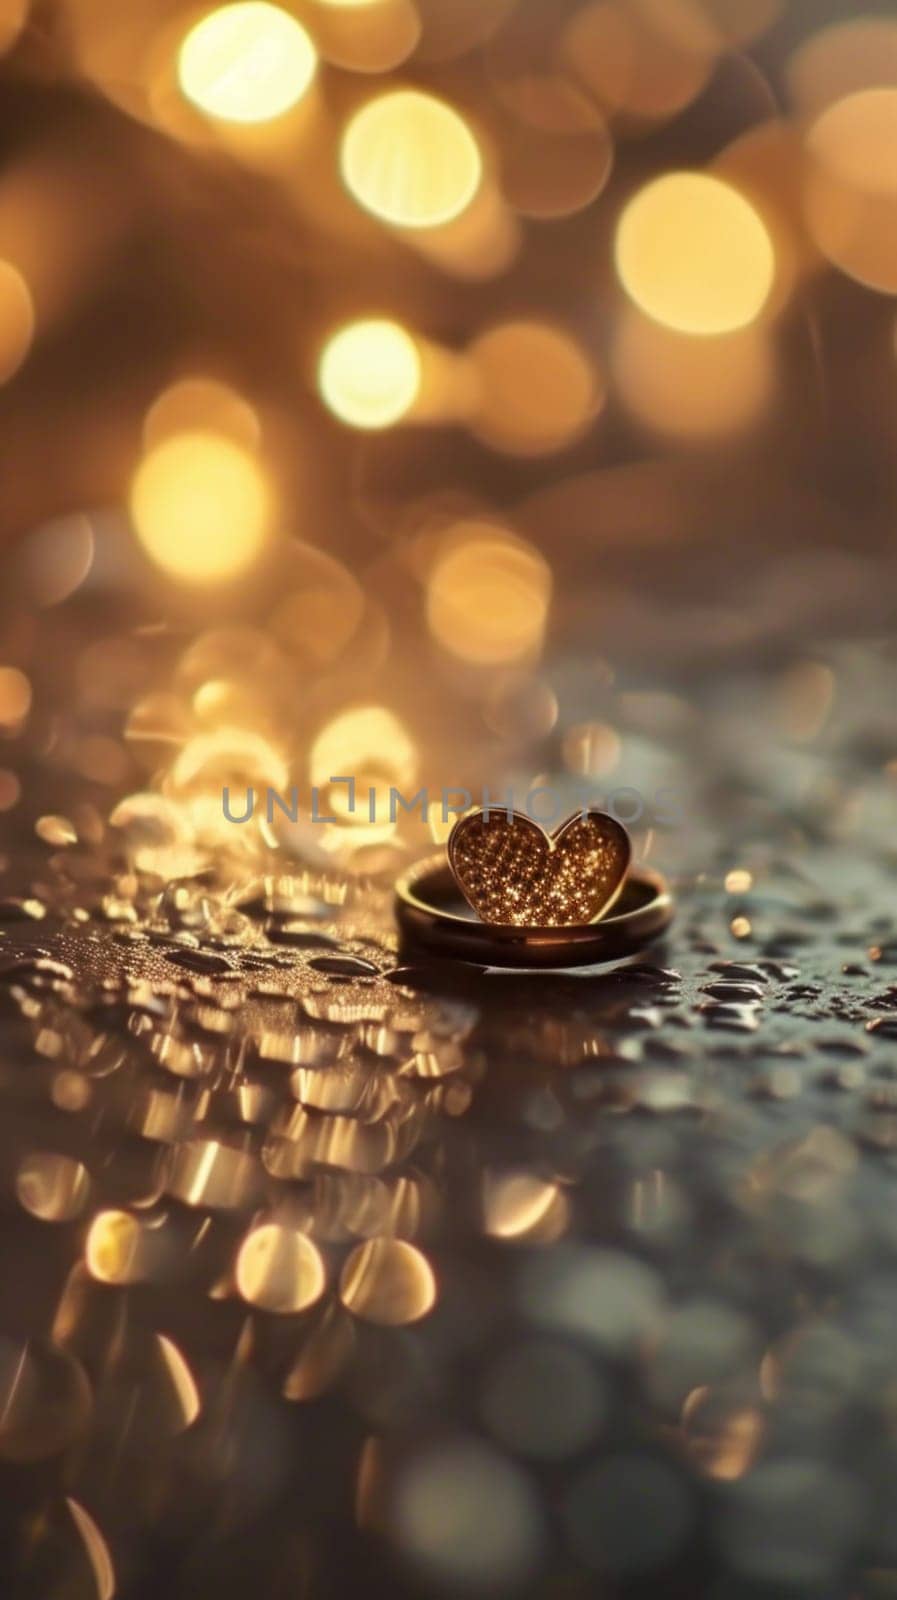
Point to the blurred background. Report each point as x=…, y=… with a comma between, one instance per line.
x=432, y=391
x=445, y=392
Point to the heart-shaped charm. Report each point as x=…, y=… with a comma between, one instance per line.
x=514, y=874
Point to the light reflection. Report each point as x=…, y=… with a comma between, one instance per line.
x=488, y=595
x=388, y=1281
x=841, y=60
x=536, y=388
x=96, y=1550
x=247, y=62
x=370, y=373
x=628, y=65
x=519, y=1205
x=181, y=1383
x=411, y=159
x=368, y=743
x=201, y=405
x=201, y=507
x=694, y=254
x=851, y=188
x=116, y=1248
x=692, y=388
x=15, y=698
x=16, y=320
x=279, y=1270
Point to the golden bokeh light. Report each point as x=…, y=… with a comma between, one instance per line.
x=692, y=388
x=367, y=742
x=370, y=373
x=248, y=62
x=322, y=607
x=851, y=189
x=411, y=160
x=556, y=149
x=15, y=698
x=370, y=36
x=519, y=1205
x=229, y=754
x=537, y=390
x=767, y=164
x=116, y=1248
x=842, y=60
x=279, y=1270
x=694, y=255
x=96, y=1550
x=628, y=65
x=488, y=595
x=201, y=507
x=389, y=1282
x=16, y=320
x=203, y=405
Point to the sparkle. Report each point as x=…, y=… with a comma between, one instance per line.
x=513, y=874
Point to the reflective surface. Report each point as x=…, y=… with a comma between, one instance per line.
x=480, y=393
x=323, y=1271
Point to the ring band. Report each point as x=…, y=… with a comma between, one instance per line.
x=433, y=916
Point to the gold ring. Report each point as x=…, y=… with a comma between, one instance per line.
x=434, y=917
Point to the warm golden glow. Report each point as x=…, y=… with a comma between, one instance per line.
x=368, y=743
x=842, y=60
x=201, y=507
x=488, y=595
x=629, y=65
x=279, y=1269
x=183, y=1384
x=519, y=1205
x=229, y=754
x=16, y=320
x=201, y=405
x=694, y=254
x=115, y=1251
x=389, y=1282
x=536, y=387
x=95, y=1549
x=851, y=192
x=693, y=388
x=370, y=373
x=248, y=62
x=371, y=36
x=15, y=698
x=411, y=160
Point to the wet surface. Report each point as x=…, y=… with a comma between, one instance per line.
x=325, y=1268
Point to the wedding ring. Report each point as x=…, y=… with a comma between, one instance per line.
x=434, y=917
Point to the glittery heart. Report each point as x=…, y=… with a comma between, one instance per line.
x=512, y=873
